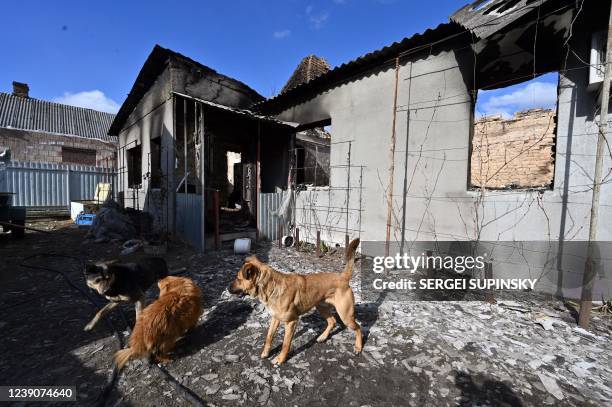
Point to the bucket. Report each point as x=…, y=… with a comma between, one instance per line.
x=242, y=246
x=287, y=241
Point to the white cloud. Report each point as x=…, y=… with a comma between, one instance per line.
x=91, y=99
x=279, y=35
x=317, y=20
x=532, y=95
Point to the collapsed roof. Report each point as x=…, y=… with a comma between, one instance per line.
x=155, y=64
x=485, y=17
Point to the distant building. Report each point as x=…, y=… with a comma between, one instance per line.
x=312, y=143
x=41, y=131
x=309, y=68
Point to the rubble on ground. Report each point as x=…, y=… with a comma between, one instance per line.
x=416, y=352
x=525, y=351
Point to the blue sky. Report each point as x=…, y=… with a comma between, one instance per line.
x=89, y=53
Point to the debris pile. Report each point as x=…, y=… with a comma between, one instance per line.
x=112, y=223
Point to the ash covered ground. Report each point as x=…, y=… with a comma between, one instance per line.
x=521, y=352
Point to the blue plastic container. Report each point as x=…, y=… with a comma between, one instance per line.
x=85, y=219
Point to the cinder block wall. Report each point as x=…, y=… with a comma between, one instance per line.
x=46, y=147
x=514, y=153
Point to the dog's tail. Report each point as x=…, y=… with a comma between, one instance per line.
x=350, y=259
x=123, y=356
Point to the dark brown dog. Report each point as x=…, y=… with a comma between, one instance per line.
x=164, y=321
x=288, y=296
x=123, y=282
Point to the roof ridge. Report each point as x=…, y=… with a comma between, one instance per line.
x=365, y=61
x=29, y=98
x=31, y=114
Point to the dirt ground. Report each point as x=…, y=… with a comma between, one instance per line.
x=416, y=353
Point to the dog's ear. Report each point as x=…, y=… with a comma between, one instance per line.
x=91, y=268
x=251, y=271
x=162, y=284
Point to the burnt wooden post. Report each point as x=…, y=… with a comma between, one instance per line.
x=297, y=239
x=430, y=269
x=346, y=244
x=258, y=182
x=489, y=274
x=586, y=297
x=216, y=209
x=318, y=248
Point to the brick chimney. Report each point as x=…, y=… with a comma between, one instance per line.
x=21, y=89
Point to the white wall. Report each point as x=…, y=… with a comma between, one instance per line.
x=439, y=205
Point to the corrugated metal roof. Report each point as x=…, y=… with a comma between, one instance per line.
x=241, y=112
x=486, y=17
x=418, y=42
x=40, y=115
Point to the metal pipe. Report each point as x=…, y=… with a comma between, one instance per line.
x=586, y=299
x=185, y=145
x=348, y=191
x=216, y=209
x=405, y=189
x=392, y=162
x=173, y=164
x=203, y=176
x=258, y=179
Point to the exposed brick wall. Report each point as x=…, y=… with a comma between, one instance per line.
x=44, y=147
x=514, y=153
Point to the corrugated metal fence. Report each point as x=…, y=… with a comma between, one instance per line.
x=268, y=223
x=44, y=185
x=189, y=218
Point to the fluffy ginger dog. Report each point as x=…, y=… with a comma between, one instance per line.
x=164, y=321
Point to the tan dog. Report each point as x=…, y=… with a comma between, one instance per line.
x=164, y=321
x=288, y=296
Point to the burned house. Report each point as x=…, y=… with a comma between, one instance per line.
x=403, y=123
x=33, y=130
x=182, y=130
x=393, y=137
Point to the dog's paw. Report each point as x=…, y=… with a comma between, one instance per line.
x=322, y=338
x=356, y=350
x=88, y=327
x=161, y=359
x=265, y=354
x=277, y=361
